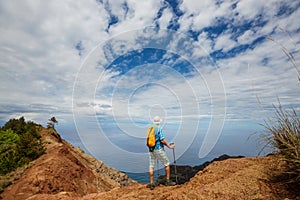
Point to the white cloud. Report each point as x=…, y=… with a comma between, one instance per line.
x=249, y=9
x=252, y=82
x=199, y=15
x=224, y=42
x=39, y=61
x=165, y=18
x=247, y=37
x=142, y=14
x=206, y=45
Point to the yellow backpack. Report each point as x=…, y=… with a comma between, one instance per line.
x=151, y=141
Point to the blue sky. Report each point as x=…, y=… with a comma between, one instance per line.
x=100, y=64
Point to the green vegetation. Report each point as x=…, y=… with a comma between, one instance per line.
x=285, y=138
x=20, y=143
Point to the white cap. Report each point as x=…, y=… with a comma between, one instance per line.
x=157, y=120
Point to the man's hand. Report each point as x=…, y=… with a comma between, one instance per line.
x=171, y=146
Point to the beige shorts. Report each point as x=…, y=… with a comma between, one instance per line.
x=159, y=154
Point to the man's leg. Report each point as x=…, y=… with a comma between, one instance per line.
x=162, y=156
x=167, y=168
x=151, y=175
x=168, y=181
x=151, y=169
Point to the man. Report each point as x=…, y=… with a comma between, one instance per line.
x=159, y=153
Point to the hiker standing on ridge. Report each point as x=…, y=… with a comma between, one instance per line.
x=159, y=153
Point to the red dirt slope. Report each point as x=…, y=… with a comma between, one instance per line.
x=65, y=169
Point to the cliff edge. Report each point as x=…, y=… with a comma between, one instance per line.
x=64, y=170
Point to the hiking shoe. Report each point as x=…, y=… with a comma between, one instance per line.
x=170, y=183
x=152, y=186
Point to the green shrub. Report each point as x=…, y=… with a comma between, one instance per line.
x=284, y=136
x=9, y=151
x=20, y=143
x=30, y=146
x=17, y=125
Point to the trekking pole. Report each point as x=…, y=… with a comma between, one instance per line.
x=174, y=164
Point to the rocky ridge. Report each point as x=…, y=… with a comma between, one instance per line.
x=66, y=170
x=230, y=179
